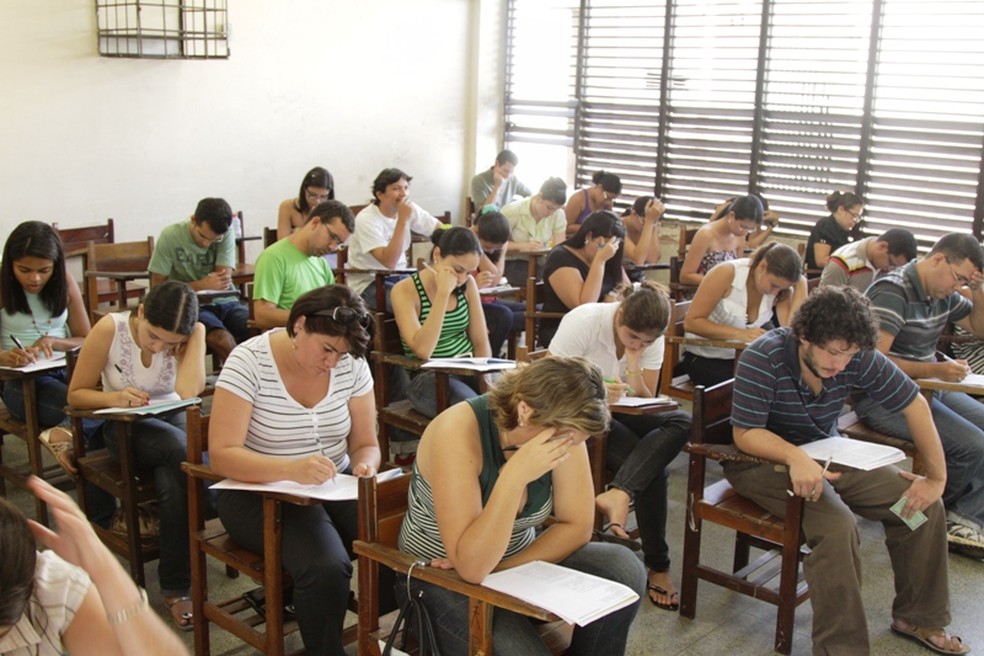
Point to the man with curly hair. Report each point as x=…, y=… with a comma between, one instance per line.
x=790, y=386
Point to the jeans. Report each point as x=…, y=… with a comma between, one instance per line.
x=640, y=448
x=503, y=318
x=959, y=420
x=422, y=392
x=369, y=294
x=160, y=444
x=230, y=316
x=316, y=552
x=514, y=634
x=51, y=392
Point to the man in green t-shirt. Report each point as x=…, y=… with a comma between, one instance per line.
x=295, y=265
x=202, y=253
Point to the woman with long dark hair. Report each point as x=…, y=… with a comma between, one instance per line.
x=42, y=312
x=317, y=186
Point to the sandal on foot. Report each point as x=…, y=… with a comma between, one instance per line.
x=952, y=644
x=674, y=604
x=62, y=451
x=606, y=534
x=183, y=619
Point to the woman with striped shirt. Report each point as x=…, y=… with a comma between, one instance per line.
x=488, y=472
x=439, y=314
x=297, y=404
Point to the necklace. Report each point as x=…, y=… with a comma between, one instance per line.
x=43, y=333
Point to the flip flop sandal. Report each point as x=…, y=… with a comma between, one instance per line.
x=672, y=606
x=184, y=621
x=607, y=535
x=62, y=451
x=922, y=636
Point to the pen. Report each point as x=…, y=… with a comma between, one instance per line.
x=826, y=466
x=20, y=345
x=118, y=368
x=944, y=357
x=628, y=390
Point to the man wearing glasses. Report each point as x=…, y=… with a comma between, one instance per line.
x=202, y=253
x=913, y=305
x=295, y=265
x=857, y=263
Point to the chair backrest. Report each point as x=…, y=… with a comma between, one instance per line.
x=712, y=413
x=123, y=256
x=197, y=424
x=75, y=241
x=269, y=236
x=381, y=509
x=341, y=259
x=534, y=297
x=672, y=352
x=686, y=237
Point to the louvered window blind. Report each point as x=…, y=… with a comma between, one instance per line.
x=700, y=100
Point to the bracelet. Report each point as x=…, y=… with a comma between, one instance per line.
x=127, y=614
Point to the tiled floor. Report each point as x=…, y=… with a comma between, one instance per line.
x=726, y=623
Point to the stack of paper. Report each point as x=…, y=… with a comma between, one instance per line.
x=853, y=453
x=152, y=408
x=56, y=361
x=470, y=364
x=343, y=487
x=573, y=596
x=638, y=401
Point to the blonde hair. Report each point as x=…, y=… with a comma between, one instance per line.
x=562, y=392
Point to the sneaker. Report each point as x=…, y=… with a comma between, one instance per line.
x=965, y=540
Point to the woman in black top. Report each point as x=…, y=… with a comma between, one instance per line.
x=583, y=269
x=834, y=231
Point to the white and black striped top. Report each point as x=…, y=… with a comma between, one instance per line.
x=279, y=425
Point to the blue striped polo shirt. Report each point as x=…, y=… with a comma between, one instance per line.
x=770, y=392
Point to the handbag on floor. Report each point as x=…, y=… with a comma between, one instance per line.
x=413, y=619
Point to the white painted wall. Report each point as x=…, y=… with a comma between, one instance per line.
x=352, y=86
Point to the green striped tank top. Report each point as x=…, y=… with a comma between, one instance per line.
x=453, y=340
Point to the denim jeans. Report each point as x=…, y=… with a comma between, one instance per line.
x=640, y=448
x=959, y=420
x=316, y=551
x=502, y=318
x=51, y=392
x=422, y=392
x=161, y=445
x=369, y=294
x=514, y=634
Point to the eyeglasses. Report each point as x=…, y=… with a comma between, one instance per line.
x=345, y=314
x=957, y=278
x=317, y=198
x=206, y=238
x=856, y=215
x=334, y=238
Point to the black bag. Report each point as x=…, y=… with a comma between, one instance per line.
x=415, y=619
x=256, y=598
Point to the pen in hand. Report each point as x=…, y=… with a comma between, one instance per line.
x=20, y=345
x=823, y=473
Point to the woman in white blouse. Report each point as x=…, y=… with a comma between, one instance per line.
x=297, y=404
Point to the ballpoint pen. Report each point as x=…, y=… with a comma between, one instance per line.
x=826, y=466
x=20, y=345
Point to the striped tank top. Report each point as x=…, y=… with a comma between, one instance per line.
x=453, y=340
x=419, y=534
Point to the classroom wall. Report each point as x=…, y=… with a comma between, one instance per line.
x=352, y=86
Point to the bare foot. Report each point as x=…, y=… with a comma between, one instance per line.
x=662, y=591
x=614, y=504
x=943, y=641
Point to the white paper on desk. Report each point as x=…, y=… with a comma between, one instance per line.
x=974, y=380
x=56, y=361
x=497, y=289
x=574, y=596
x=152, y=408
x=853, y=453
x=472, y=364
x=638, y=401
x=343, y=488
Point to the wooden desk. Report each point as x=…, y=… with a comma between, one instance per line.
x=929, y=385
x=28, y=430
x=637, y=410
x=738, y=345
x=242, y=275
x=120, y=278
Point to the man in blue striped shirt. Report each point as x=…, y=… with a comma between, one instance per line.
x=913, y=305
x=790, y=386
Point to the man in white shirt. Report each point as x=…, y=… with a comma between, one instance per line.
x=382, y=233
x=535, y=223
